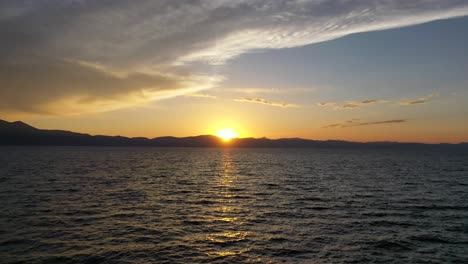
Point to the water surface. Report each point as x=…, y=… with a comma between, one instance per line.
x=182, y=205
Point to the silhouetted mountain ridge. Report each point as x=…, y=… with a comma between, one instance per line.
x=19, y=133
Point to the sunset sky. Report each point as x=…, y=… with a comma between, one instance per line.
x=364, y=70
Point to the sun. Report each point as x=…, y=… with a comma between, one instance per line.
x=227, y=134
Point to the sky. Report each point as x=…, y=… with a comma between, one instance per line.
x=362, y=70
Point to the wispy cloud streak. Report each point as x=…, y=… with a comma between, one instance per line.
x=357, y=122
x=351, y=105
x=421, y=100
x=266, y=102
x=326, y=104
x=199, y=95
x=362, y=103
x=273, y=90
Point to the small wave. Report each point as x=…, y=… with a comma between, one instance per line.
x=288, y=252
x=14, y=242
x=193, y=222
x=278, y=240
x=311, y=199
x=204, y=202
x=391, y=245
x=454, y=169
x=439, y=207
x=458, y=229
x=431, y=239
x=127, y=215
x=386, y=223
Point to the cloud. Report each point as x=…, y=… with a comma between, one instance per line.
x=199, y=95
x=351, y=105
x=333, y=125
x=284, y=24
x=421, y=100
x=357, y=122
x=266, y=102
x=362, y=103
x=148, y=39
x=326, y=104
x=65, y=87
x=382, y=122
x=273, y=90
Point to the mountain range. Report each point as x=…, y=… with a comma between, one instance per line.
x=20, y=133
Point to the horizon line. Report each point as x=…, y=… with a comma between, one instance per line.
x=240, y=138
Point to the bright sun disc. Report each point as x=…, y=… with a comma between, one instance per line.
x=227, y=134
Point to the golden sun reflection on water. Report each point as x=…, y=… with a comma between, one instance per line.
x=231, y=236
x=228, y=211
x=227, y=177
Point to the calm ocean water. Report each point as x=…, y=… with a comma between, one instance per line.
x=176, y=205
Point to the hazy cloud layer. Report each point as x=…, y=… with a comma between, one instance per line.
x=266, y=102
x=148, y=41
x=357, y=122
x=69, y=88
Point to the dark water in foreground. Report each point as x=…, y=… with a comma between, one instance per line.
x=150, y=205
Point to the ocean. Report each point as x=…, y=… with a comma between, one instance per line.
x=221, y=205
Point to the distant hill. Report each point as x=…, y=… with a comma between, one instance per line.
x=19, y=133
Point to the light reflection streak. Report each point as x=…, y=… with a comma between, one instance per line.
x=228, y=211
